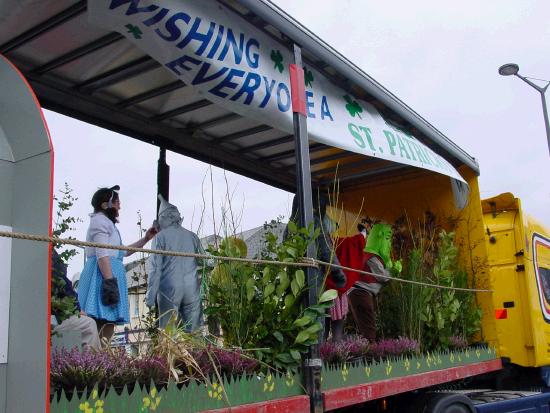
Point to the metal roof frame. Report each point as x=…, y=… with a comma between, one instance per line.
x=134, y=96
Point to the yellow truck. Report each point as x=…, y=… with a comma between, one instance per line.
x=518, y=252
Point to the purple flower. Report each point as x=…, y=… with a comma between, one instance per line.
x=394, y=347
x=75, y=369
x=228, y=362
x=457, y=342
x=346, y=350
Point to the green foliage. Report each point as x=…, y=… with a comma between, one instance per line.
x=65, y=223
x=430, y=315
x=260, y=306
x=63, y=307
x=440, y=307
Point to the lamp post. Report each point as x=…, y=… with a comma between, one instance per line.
x=512, y=69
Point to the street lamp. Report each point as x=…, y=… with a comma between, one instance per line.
x=512, y=69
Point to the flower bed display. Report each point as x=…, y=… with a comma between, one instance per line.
x=191, y=397
x=362, y=371
x=237, y=390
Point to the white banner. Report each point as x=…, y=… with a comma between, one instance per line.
x=237, y=66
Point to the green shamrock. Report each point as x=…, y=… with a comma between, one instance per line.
x=308, y=77
x=134, y=31
x=353, y=107
x=277, y=58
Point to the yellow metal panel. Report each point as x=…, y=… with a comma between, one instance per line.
x=524, y=336
x=537, y=265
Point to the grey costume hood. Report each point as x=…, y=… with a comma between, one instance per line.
x=169, y=215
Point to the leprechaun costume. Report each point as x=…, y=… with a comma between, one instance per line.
x=362, y=295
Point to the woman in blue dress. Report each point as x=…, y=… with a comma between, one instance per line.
x=102, y=289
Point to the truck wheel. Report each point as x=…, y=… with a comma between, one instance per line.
x=455, y=408
x=446, y=403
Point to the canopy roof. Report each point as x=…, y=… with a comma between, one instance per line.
x=100, y=77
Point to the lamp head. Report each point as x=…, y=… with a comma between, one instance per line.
x=508, y=69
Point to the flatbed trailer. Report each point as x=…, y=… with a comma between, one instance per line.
x=114, y=64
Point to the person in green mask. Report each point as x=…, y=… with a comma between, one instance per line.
x=362, y=295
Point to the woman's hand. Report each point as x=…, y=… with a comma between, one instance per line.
x=104, y=264
x=150, y=234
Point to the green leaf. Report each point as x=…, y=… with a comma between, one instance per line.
x=284, y=282
x=295, y=354
x=278, y=336
x=302, y=336
x=320, y=310
x=302, y=321
x=293, y=252
x=300, y=278
x=269, y=289
x=284, y=357
x=328, y=295
x=249, y=295
x=292, y=228
x=289, y=300
x=314, y=328
x=295, y=288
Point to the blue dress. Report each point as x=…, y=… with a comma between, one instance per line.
x=89, y=290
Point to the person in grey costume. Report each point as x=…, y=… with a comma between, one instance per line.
x=173, y=282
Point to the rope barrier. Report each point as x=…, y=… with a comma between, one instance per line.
x=403, y=280
x=304, y=262
x=77, y=243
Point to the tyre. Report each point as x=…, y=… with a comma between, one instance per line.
x=445, y=403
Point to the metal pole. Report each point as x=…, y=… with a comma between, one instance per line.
x=542, y=91
x=312, y=364
x=546, y=121
x=163, y=177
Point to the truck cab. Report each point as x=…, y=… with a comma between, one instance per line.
x=518, y=262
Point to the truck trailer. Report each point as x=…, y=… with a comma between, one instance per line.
x=242, y=85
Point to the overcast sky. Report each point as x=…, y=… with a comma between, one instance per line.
x=440, y=58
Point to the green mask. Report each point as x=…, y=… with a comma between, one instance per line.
x=379, y=242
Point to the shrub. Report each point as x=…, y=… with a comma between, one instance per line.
x=260, y=306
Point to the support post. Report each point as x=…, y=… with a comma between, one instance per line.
x=163, y=177
x=542, y=91
x=312, y=364
x=545, y=114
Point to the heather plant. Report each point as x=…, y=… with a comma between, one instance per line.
x=457, y=342
x=394, y=347
x=353, y=348
x=74, y=369
x=343, y=351
x=229, y=362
